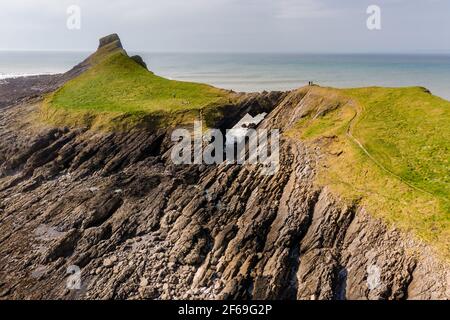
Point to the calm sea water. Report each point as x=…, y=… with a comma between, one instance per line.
x=257, y=72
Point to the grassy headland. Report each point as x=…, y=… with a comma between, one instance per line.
x=388, y=148
x=117, y=92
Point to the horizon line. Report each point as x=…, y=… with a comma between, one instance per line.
x=243, y=52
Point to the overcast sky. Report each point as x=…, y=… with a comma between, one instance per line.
x=229, y=25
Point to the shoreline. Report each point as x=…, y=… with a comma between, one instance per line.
x=264, y=72
x=26, y=75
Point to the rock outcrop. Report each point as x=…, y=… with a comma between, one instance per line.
x=139, y=60
x=113, y=206
x=111, y=40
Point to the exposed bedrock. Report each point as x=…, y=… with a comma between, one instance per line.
x=139, y=227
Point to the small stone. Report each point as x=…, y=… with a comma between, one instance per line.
x=108, y=262
x=164, y=296
x=217, y=285
x=144, y=282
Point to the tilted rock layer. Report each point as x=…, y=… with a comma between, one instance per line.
x=113, y=206
x=139, y=227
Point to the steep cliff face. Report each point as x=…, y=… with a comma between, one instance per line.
x=138, y=226
x=114, y=206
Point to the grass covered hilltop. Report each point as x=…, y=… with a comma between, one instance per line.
x=388, y=148
x=118, y=91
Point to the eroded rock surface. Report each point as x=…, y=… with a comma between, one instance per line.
x=139, y=227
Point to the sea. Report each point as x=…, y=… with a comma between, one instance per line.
x=252, y=72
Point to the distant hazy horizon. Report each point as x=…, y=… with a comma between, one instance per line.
x=262, y=71
x=89, y=51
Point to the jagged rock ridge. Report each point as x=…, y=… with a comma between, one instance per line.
x=112, y=40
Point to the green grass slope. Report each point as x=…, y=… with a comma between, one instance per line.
x=118, y=92
x=408, y=132
x=388, y=148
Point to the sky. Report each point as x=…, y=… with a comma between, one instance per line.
x=322, y=26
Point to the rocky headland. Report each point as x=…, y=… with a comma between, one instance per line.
x=139, y=227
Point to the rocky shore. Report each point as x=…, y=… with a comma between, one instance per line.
x=139, y=227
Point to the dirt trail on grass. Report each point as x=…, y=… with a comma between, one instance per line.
x=371, y=157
